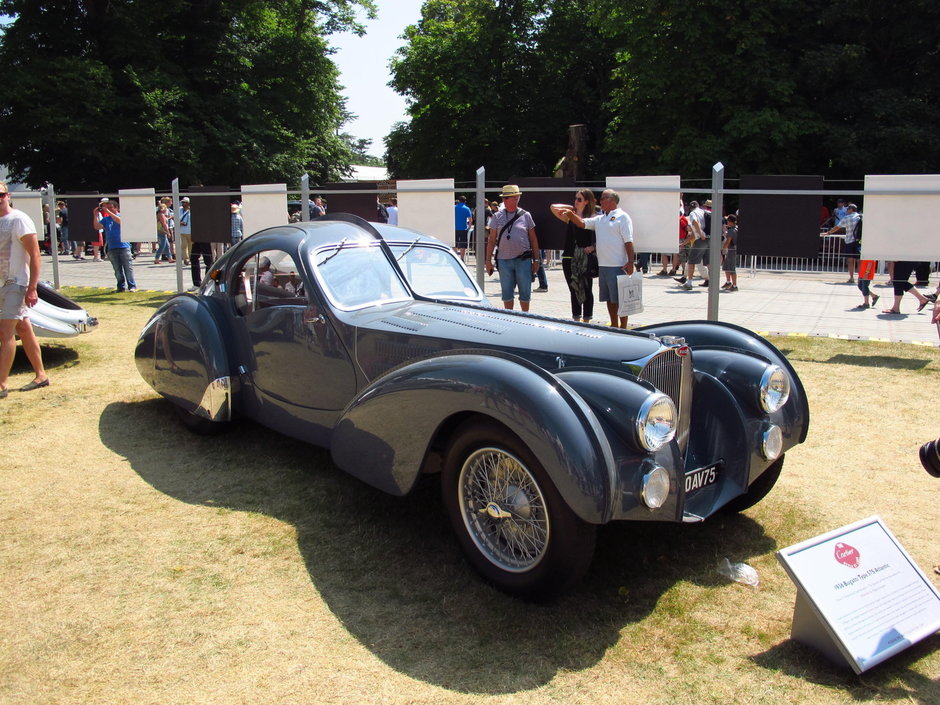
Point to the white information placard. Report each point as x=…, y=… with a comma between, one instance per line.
x=263, y=206
x=138, y=208
x=427, y=211
x=893, y=225
x=860, y=596
x=655, y=213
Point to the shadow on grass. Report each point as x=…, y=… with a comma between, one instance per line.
x=892, y=680
x=390, y=569
x=885, y=362
x=90, y=298
x=882, y=361
x=54, y=356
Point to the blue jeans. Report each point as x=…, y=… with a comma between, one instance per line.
x=163, y=246
x=543, y=279
x=123, y=265
x=515, y=273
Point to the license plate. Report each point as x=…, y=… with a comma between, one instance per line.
x=703, y=477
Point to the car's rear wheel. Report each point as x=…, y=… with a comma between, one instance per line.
x=511, y=522
x=757, y=491
x=199, y=424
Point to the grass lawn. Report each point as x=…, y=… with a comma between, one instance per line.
x=144, y=564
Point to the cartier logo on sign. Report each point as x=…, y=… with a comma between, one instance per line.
x=847, y=555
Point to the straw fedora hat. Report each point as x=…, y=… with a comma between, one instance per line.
x=510, y=190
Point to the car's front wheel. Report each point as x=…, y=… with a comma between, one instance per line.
x=512, y=523
x=760, y=488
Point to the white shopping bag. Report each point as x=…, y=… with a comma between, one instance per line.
x=630, y=294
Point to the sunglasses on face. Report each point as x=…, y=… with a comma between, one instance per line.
x=578, y=198
x=4, y=193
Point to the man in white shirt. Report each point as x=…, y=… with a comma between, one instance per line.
x=19, y=281
x=613, y=231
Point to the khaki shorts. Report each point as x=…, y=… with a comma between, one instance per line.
x=12, y=302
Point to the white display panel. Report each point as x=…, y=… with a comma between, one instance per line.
x=263, y=206
x=429, y=212
x=138, y=209
x=30, y=202
x=655, y=214
x=898, y=227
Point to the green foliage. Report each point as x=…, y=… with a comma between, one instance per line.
x=121, y=93
x=671, y=86
x=783, y=86
x=494, y=84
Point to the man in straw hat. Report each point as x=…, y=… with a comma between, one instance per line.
x=512, y=238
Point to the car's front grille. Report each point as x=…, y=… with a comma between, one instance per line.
x=670, y=371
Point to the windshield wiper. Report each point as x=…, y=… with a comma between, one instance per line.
x=342, y=243
x=410, y=248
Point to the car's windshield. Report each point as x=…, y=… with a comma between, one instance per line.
x=433, y=271
x=356, y=275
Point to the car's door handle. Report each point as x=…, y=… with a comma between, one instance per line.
x=315, y=319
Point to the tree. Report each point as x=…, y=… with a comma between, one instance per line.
x=494, y=84
x=784, y=86
x=110, y=93
x=671, y=86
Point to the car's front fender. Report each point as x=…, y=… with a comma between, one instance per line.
x=702, y=335
x=385, y=434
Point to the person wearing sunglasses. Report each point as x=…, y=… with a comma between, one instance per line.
x=576, y=261
x=613, y=237
x=19, y=274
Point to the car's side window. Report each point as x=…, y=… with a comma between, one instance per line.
x=268, y=278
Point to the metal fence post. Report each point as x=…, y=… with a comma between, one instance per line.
x=180, y=247
x=479, y=226
x=305, y=198
x=53, y=234
x=714, y=240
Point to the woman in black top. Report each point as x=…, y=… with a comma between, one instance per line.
x=579, y=243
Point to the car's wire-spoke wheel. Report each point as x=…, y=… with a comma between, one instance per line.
x=503, y=509
x=512, y=523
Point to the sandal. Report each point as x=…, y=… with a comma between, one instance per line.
x=923, y=305
x=891, y=310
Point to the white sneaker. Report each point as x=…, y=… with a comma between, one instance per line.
x=687, y=286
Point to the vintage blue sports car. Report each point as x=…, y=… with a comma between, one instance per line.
x=374, y=341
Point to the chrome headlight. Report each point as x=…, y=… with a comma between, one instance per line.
x=656, y=422
x=772, y=443
x=655, y=488
x=774, y=388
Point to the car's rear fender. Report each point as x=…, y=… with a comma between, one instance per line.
x=385, y=435
x=181, y=354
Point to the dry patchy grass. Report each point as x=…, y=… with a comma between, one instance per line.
x=143, y=564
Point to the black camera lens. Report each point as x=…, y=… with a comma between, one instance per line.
x=930, y=457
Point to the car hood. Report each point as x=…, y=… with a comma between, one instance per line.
x=388, y=338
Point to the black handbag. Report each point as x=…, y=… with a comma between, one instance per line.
x=593, y=268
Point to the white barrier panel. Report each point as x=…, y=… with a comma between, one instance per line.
x=899, y=227
x=30, y=202
x=429, y=212
x=263, y=206
x=138, y=208
x=655, y=214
